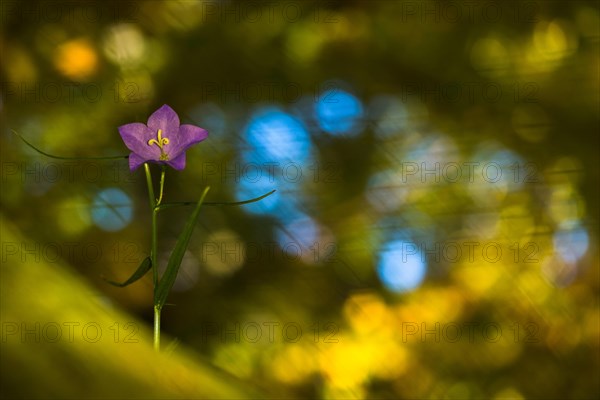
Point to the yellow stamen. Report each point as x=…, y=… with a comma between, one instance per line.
x=160, y=143
x=161, y=140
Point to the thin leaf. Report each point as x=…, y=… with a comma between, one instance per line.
x=217, y=203
x=66, y=158
x=168, y=279
x=140, y=272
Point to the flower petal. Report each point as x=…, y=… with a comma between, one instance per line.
x=191, y=134
x=135, y=161
x=178, y=162
x=162, y=141
x=188, y=136
x=136, y=138
x=166, y=119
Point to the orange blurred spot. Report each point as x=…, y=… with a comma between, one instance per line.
x=76, y=59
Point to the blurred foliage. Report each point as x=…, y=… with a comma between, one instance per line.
x=77, y=344
x=355, y=280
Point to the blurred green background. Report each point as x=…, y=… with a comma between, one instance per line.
x=433, y=234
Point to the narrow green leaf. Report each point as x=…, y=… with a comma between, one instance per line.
x=217, y=203
x=65, y=158
x=140, y=272
x=168, y=279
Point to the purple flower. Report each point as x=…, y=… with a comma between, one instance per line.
x=162, y=141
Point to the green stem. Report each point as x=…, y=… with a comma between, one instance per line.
x=154, y=248
x=150, y=185
x=155, y=278
x=154, y=240
x=162, y=184
x=156, y=328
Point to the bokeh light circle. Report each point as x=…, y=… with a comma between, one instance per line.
x=112, y=209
